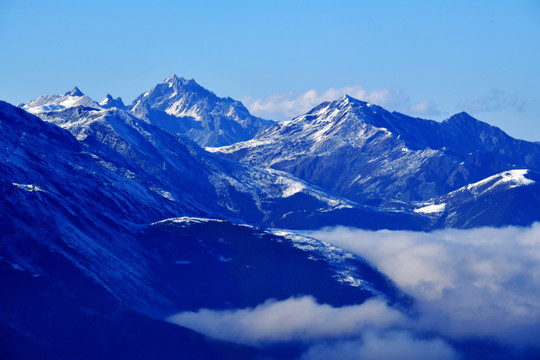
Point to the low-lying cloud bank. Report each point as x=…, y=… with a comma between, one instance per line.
x=466, y=283
x=387, y=345
x=294, y=319
x=371, y=330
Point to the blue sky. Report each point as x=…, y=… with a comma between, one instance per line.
x=424, y=58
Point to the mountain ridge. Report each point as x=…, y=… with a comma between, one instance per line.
x=366, y=153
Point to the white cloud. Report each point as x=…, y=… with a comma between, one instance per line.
x=288, y=105
x=294, y=319
x=466, y=283
x=382, y=345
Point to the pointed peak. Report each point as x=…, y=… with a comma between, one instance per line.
x=462, y=116
x=110, y=102
x=75, y=92
x=174, y=79
x=171, y=79
x=347, y=99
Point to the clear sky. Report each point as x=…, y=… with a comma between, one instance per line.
x=424, y=58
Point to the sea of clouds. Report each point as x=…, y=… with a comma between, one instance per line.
x=466, y=284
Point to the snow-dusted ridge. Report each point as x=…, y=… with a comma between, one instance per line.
x=187, y=220
x=68, y=100
x=511, y=178
x=505, y=180
x=338, y=259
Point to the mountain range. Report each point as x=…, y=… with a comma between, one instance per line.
x=119, y=216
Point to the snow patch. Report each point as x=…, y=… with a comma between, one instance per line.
x=167, y=195
x=511, y=178
x=293, y=187
x=431, y=209
x=29, y=187
x=187, y=220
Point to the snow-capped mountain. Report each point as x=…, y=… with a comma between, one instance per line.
x=365, y=153
x=510, y=197
x=182, y=106
x=70, y=99
x=109, y=102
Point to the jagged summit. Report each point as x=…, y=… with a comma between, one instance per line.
x=75, y=92
x=171, y=78
x=174, y=79
x=109, y=102
x=182, y=106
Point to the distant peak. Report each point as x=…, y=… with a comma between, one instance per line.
x=171, y=79
x=347, y=99
x=462, y=116
x=75, y=92
x=109, y=102
x=174, y=79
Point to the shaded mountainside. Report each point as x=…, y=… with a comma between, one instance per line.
x=182, y=106
x=76, y=244
x=64, y=306
x=365, y=153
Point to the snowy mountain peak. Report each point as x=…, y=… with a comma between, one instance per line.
x=107, y=98
x=347, y=99
x=48, y=103
x=75, y=92
x=181, y=106
x=109, y=102
x=173, y=80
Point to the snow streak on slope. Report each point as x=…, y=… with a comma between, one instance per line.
x=512, y=179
